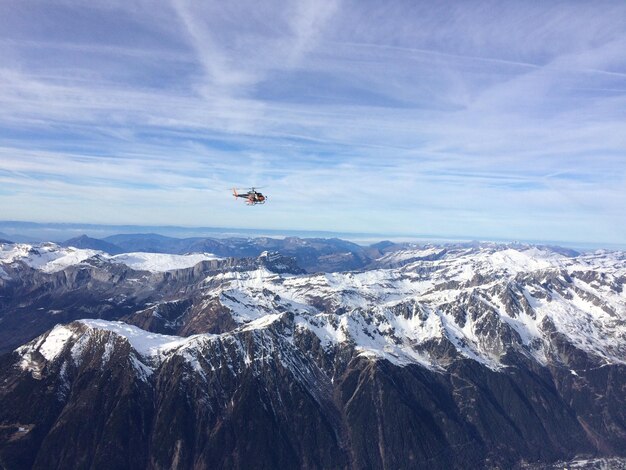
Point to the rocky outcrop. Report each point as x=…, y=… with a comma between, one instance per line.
x=98, y=394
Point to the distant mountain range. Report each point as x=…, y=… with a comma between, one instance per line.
x=313, y=254
x=34, y=232
x=86, y=242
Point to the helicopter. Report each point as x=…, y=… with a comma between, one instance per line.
x=252, y=196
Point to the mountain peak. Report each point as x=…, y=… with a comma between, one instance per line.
x=86, y=242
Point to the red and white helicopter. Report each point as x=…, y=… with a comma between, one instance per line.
x=252, y=196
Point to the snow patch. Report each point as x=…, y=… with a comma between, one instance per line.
x=160, y=262
x=142, y=341
x=55, y=341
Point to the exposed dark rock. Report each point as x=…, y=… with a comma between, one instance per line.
x=285, y=411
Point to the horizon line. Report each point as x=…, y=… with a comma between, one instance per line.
x=178, y=231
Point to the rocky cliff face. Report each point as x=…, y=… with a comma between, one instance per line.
x=442, y=357
x=46, y=285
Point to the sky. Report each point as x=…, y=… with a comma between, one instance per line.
x=473, y=119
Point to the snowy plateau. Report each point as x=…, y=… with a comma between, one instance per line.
x=50, y=257
x=435, y=356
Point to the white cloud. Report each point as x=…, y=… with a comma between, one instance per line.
x=477, y=119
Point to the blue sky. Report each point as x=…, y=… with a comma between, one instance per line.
x=502, y=119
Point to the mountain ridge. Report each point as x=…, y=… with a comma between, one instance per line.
x=439, y=356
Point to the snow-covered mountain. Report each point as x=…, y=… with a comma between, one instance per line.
x=50, y=258
x=442, y=356
x=481, y=303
